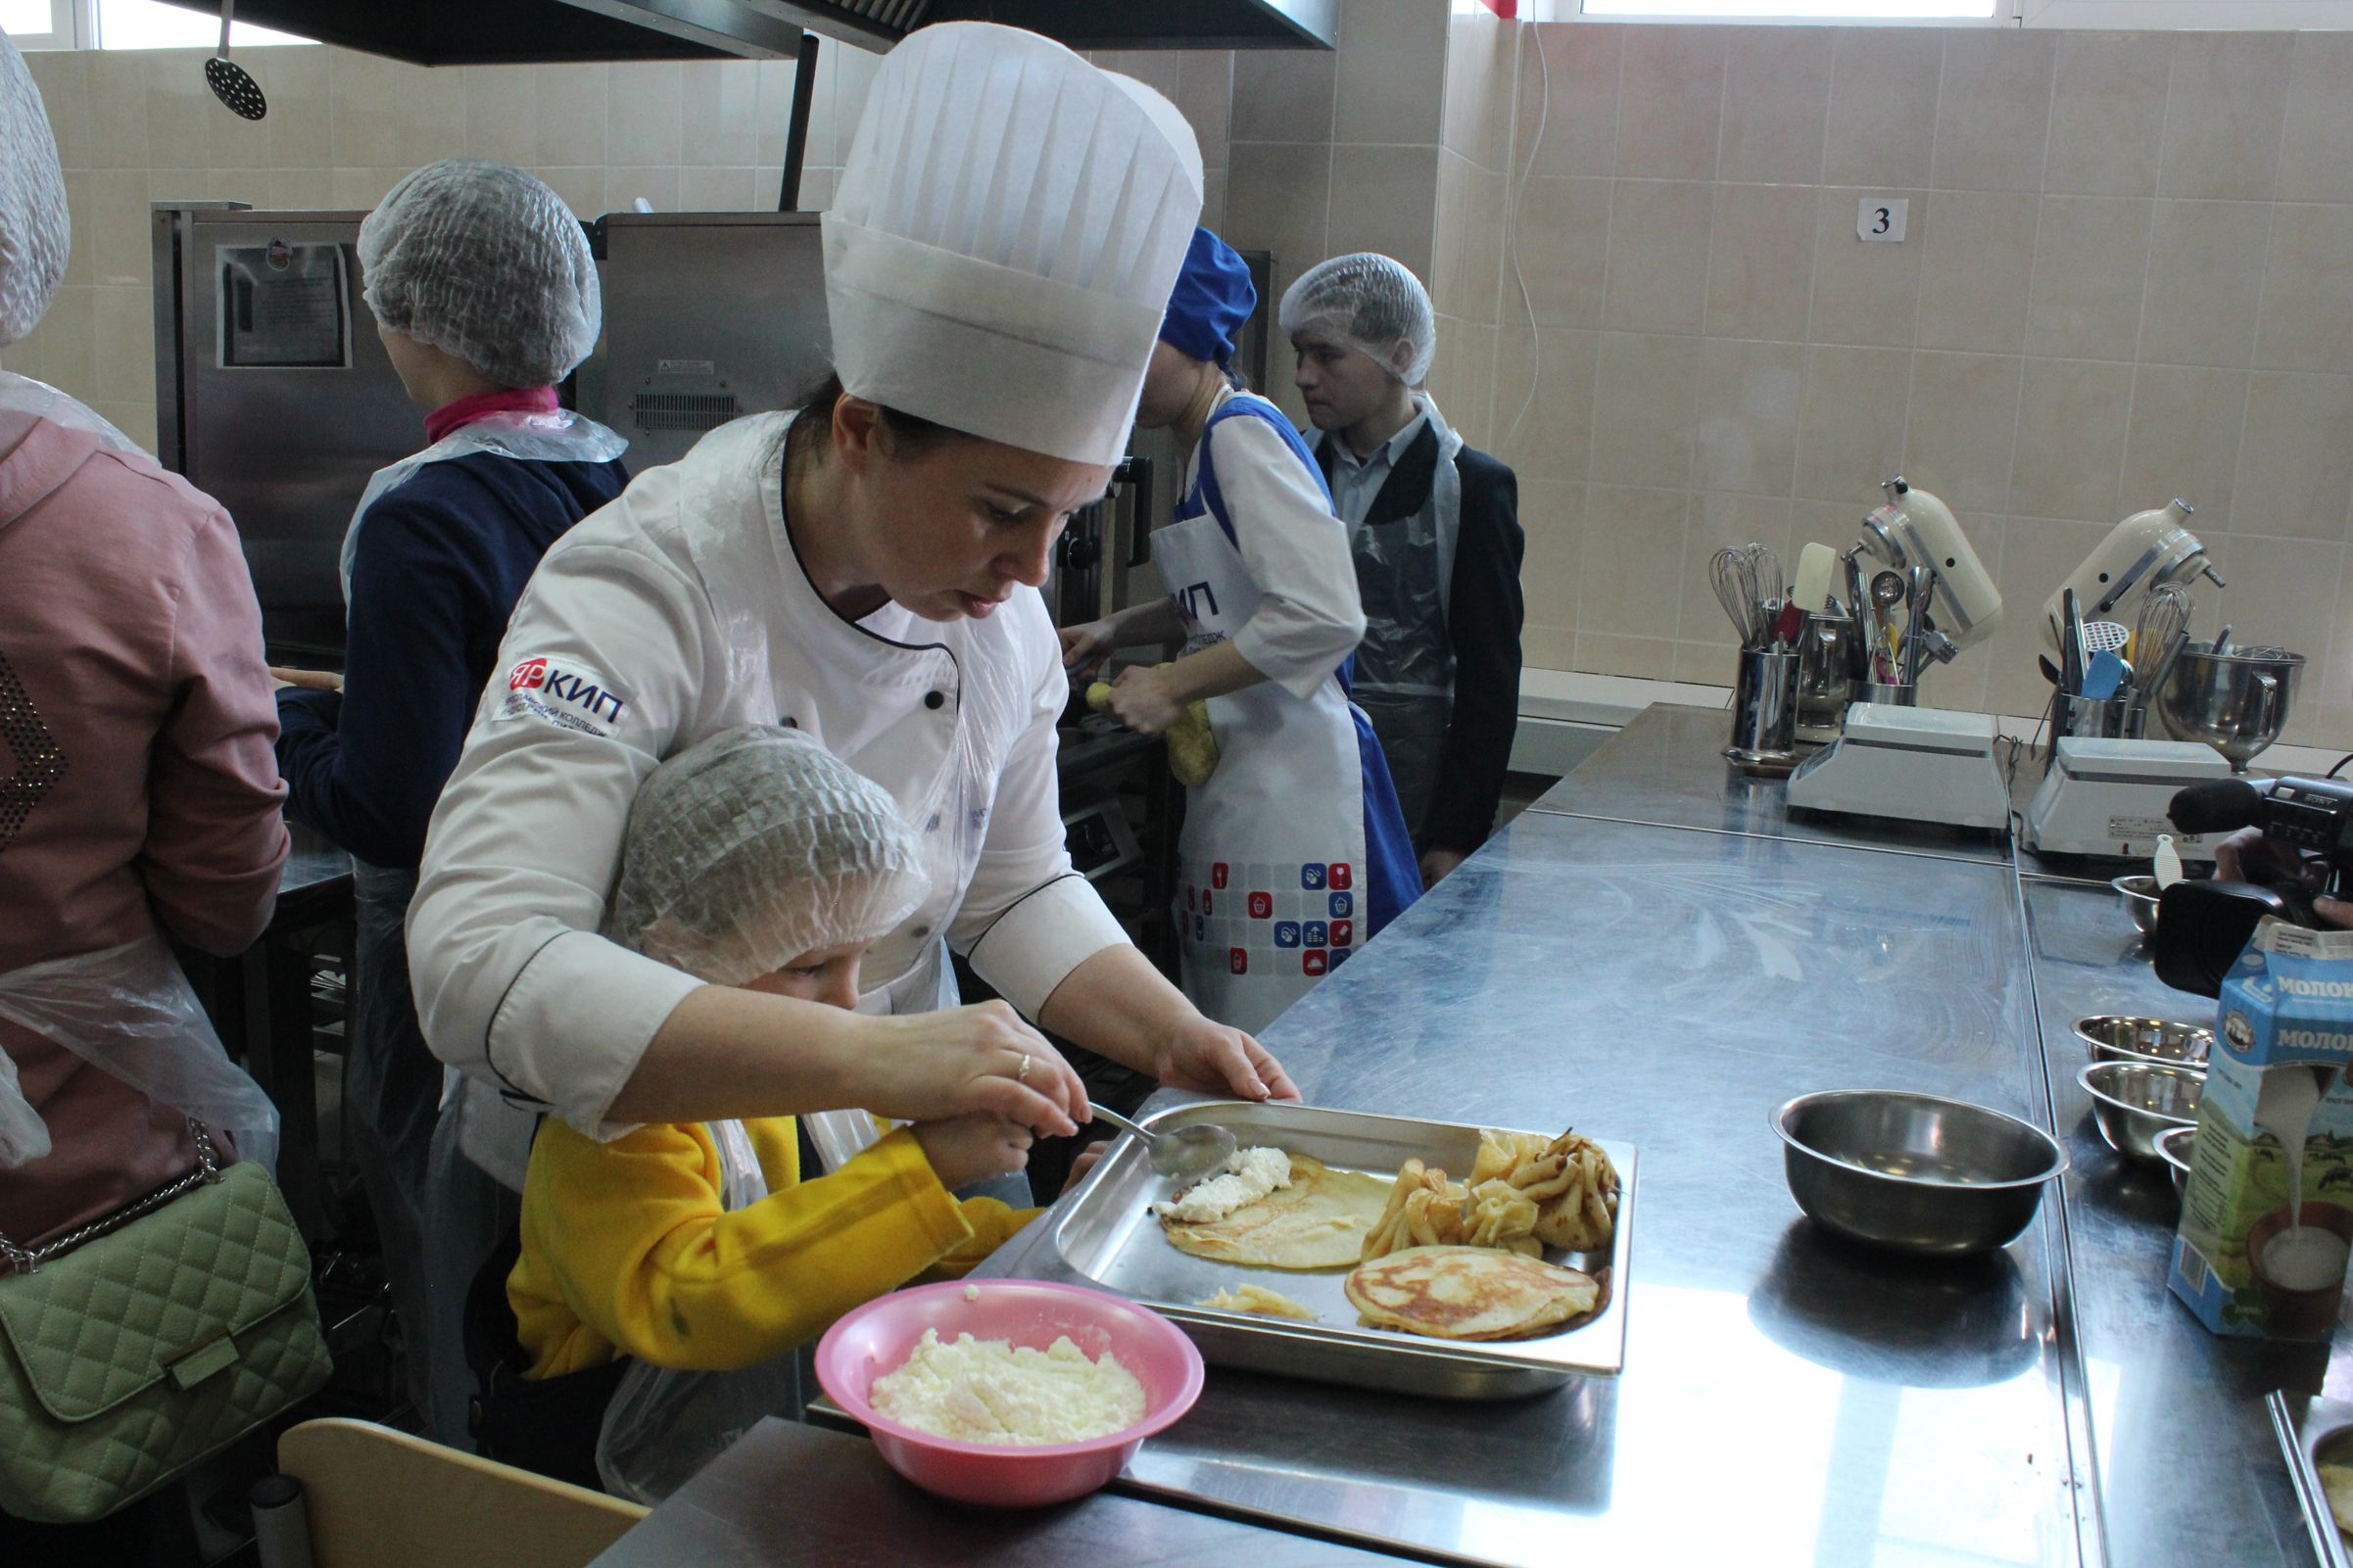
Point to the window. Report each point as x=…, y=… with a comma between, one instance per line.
x=152, y=25
x=39, y=24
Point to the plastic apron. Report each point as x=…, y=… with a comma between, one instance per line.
x=663, y=1425
x=1271, y=864
x=1405, y=667
x=129, y=1011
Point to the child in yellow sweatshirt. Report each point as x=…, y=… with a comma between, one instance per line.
x=753, y=859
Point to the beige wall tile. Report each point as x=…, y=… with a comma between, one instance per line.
x=719, y=113
x=1385, y=199
x=1671, y=103
x=360, y=189
x=64, y=79
x=2090, y=265
x=81, y=208
x=1977, y=260
x=2072, y=416
x=2316, y=150
x=386, y=114
x=2224, y=115
x=235, y=142
x=1706, y=663
x=1482, y=244
x=644, y=105
x=301, y=189
x=2205, y=278
x=1657, y=268
x=1480, y=55
x=657, y=185
x=2108, y=112
x=1567, y=100
x=1776, y=99
x=572, y=117
x=1468, y=240
x=1821, y=522
x=1554, y=435
x=817, y=187
x=1392, y=72
x=1564, y=248
x=1850, y=434
x=68, y=339
x=1643, y=657
x=1883, y=107
x=123, y=368
x=1203, y=93
x=2183, y=441
x=1548, y=648
x=1866, y=294
x=581, y=188
x=1277, y=195
x=1630, y=572
x=1212, y=202
x=502, y=113
x=179, y=105
x=1993, y=109
x=1760, y=261
x=1713, y=522
x=119, y=129
x=1552, y=517
x=2295, y=464
x=2282, y=590
x=1963, y=422
x=111, y=243
x=2036, y=556
x=1750, y=395
x=718, y=190
x=1646, y=397
x=2306, y=320
x=1283, y=95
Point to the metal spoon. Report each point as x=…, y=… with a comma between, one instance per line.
x=1185, y=1153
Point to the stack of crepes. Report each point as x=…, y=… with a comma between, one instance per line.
x=1525, y=1193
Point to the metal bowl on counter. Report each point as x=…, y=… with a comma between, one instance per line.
x=1915, y=1173
x=2114, y=1039
x=2138, y=896
x=2135, y=1101
x=2173, y=1146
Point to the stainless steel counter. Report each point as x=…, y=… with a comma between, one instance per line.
x=2185, y=1467
x=1666, y=768
x=1786, y=1400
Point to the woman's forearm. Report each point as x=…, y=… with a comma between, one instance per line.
x=1153, y=621
x=1213, y=672
x=1117, y=1005
x=722, y=1053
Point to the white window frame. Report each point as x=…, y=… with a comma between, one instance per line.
x=2237, y=16
x=66, y=29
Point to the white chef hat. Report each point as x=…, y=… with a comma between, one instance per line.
x=1003, y=240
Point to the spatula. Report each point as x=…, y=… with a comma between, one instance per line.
x=1815, y=564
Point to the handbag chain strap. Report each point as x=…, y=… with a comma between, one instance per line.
x=24, y=1261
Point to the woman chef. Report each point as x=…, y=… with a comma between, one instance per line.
x=1006, y=232
x=1294, y=851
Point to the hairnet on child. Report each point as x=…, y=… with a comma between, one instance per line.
x=1370, y=303
x=756, y=846
x=1213, y=299
x=484, y=261
x=34, y=234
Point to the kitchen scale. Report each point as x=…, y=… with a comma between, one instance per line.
x=1910, y=764
x=2108, y=798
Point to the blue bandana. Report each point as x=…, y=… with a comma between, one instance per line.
x=1212, y=300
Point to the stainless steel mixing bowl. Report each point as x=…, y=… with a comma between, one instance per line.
x=1915, y=1173
x=2114, y=1039
x=2234, y=702
x=2138, y=896
x=2135, y=1101
x=2173, y=1146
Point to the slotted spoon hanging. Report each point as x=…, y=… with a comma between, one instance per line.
x=229, y=80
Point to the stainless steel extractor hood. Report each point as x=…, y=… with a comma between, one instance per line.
x=476, y=33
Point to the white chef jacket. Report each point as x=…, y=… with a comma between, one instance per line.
x=679, y=610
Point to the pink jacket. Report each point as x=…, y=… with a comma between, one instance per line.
x=136, y=716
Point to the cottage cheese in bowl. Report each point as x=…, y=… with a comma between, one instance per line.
x=990, y=1391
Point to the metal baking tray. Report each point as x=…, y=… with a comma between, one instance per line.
x=1106, y=1236
x=2312, y=1431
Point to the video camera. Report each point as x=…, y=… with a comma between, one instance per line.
x=2306, y=852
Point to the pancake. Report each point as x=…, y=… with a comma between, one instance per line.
x=1469, y=1292
x=1249, y=1298
x=2337, y=1484
x=1317, y=1222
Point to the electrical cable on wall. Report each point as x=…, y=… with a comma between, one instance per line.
x=1544, y=109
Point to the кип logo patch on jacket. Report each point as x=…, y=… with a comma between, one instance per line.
x=563, y=693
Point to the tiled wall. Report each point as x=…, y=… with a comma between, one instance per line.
x=2129, y=276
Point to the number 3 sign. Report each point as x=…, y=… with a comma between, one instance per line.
x=1881, y=218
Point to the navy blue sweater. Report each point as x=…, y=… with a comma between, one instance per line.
x=442, y=559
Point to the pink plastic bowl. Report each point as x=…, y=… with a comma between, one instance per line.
x=879, y=1336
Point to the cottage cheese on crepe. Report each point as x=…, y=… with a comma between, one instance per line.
x=1249, y=1175
x=988, y=1391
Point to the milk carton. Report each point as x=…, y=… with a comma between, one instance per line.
x=2267, y=1222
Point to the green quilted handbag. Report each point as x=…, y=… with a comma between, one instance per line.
x=150, y=1339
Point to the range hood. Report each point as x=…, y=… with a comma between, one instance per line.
x=472, y=32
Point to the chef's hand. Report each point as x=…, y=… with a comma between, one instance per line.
x=961, y=1060
x=1146, y=700
x=1437, y=862
x=963, y=1150
x=1209, y=1058
x=315, y=680
x=2245, y=856
x=1086, y=645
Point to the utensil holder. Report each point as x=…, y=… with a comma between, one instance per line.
x=1764, y=710
x=1887, y=694
x=2094, y=718
x=1825, y=678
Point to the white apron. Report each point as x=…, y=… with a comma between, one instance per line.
x=1271, y=863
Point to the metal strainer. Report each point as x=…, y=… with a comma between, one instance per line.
x=229, y=80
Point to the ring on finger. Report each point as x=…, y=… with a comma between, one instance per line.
x=1021, y=1073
